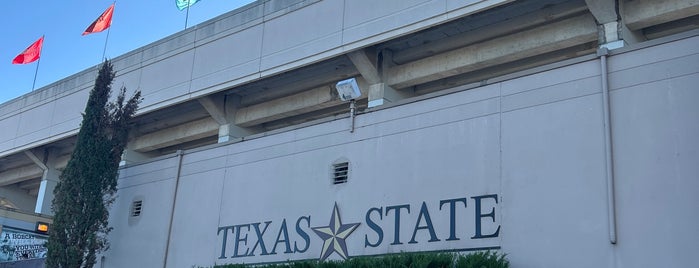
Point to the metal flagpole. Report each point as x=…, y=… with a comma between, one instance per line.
x=36, y=72
x=104, y=51
x=187, y=17
x=37, y=67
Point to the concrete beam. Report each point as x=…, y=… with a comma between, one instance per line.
x=222, y=109
x=307, y=101
x=35, y=159
x=610, y=27
x=215, y=108
x=33, y=192
x=62, y=161
x=29, y=184
x=603, y=10
x=673, y=27
x=20, y=174
x=175, y=135
x=485, y=75
x=130, y=156
x=547, y=38
x=642, y=14
x=365, y=66
x=49, y=180
x=380, y=94
x=19, y=197
x=516, y=24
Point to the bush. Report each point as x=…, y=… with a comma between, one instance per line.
x=487, y=259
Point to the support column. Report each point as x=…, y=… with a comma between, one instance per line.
x=49, y=180
x=613, y=33
x=379, y=93
x=45, y=197
x=382, y=93
x=223, y=110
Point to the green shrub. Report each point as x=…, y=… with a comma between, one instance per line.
x=487, y=259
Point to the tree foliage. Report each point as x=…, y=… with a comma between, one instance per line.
x=87, y=186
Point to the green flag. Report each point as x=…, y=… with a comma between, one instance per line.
x=182, y=4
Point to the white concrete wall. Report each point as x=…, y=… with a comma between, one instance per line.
x=256, y=41
x=535, y=141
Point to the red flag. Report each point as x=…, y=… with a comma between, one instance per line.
x=30, y=54
x=101, y=23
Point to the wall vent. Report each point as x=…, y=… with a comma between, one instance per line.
x=136, y=208
x=340, y=172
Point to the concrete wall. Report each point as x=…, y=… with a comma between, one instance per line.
x=256, y=41
x=141, y=241
x=537, y=142
x=19, y=197
x=655, y=132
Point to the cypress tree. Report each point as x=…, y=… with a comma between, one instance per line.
x=87, y=185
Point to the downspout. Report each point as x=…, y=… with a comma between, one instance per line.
x=174, y=202
x=609, y=165
x=352, y=115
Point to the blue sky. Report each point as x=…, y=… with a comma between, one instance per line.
x=135, y=23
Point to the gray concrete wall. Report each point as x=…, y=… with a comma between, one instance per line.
x=553, y=174
x=141, y=241
x=19, y=198
x=654, y=94
x=537, y=142
x=256, y=41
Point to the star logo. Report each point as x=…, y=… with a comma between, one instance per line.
x=334, y=235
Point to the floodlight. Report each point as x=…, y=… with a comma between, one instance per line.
x=348, y=89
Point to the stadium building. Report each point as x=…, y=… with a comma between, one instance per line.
x=563, y=133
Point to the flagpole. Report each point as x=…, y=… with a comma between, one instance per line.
x=104, y=51
x=37, y=68
x=187, y=17
x=36, y=72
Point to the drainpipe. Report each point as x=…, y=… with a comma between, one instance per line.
x=611, y=206
x=174, y=202
x=352, y=115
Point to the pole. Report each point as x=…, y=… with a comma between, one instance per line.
x=187, y=16
x=609, y=154
x=179, y=154
x=36, y=72
x=352, y=115
x=104, y=51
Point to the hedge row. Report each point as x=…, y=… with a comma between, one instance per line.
x=413, y=260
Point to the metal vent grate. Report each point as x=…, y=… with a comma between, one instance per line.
x=340, y=172
x=136, y=207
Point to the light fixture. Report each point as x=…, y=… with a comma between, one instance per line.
x=42, y=227
x=348, y=90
